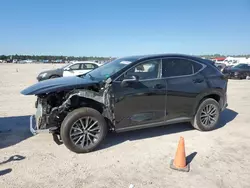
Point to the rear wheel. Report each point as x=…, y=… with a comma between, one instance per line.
x=207, y=115
x=83, y=130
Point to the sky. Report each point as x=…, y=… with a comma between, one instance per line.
x=124, y=27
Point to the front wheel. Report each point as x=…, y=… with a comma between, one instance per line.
x=83, y=130
x=54, y=76
x=207, y=115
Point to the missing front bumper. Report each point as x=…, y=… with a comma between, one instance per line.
x=33, y=127
x=34, y=130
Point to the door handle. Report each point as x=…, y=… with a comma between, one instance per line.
x=198, y=80
x=159, y=86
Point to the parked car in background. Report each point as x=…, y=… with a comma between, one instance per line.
x=71, y=69
x=126, y=94
x=240, y=71
x=220, y=66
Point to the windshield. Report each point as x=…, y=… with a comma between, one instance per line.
x=67, y=64
x=109, y=69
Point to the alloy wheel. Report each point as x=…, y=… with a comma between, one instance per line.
x=209, y=115
x=85, y=132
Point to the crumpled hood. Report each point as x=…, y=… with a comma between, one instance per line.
x=58, y=84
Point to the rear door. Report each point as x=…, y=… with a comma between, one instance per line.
x=184, y=84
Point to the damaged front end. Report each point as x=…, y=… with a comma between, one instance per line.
x=46, y=116
x=52, y=108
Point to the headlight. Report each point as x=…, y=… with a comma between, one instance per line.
x=43, y=75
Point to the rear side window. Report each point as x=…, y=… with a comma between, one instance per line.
x=197, y=67
x=88, y=66
x=212, y=70
x=179, y=67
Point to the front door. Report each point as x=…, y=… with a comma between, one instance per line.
x=141, y=102
x=85, y=68
x=72, y=70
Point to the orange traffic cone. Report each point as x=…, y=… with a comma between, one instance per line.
x=179, y=162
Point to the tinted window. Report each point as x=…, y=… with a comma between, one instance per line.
x=75, y=66
x=197, y=66
x=211, y=71
x=88, y=66
x=146, y=70
x=176, y=67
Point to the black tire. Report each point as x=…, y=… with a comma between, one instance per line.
x=54, y=76
x=198, y=121
x=72, y=122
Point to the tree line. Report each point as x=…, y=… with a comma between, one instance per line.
x=221, y=55
x=85, y=58
x=52, y=58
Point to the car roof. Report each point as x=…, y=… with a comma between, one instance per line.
x=75, y=62
x=150, y=56
x=139, y=57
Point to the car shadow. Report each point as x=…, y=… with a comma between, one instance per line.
x=14, y=130
x=113, y=138
x=226, y=116
x=118, y=138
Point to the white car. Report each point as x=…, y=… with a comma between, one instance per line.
x=71, y=69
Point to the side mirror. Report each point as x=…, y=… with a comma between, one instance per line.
x=128, y=80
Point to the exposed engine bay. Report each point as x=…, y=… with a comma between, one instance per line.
x=52, y=108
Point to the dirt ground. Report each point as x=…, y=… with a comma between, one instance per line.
x=220, y=158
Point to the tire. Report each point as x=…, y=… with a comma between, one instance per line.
x=54, y=76
x=198, y=121
x=73, y=138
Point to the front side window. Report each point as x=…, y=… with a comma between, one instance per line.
x=146, y=70
x=177, y=67
x=75, y=66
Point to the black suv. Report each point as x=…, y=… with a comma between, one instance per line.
x=126, y=94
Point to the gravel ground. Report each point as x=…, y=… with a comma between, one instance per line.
x=218, y=159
